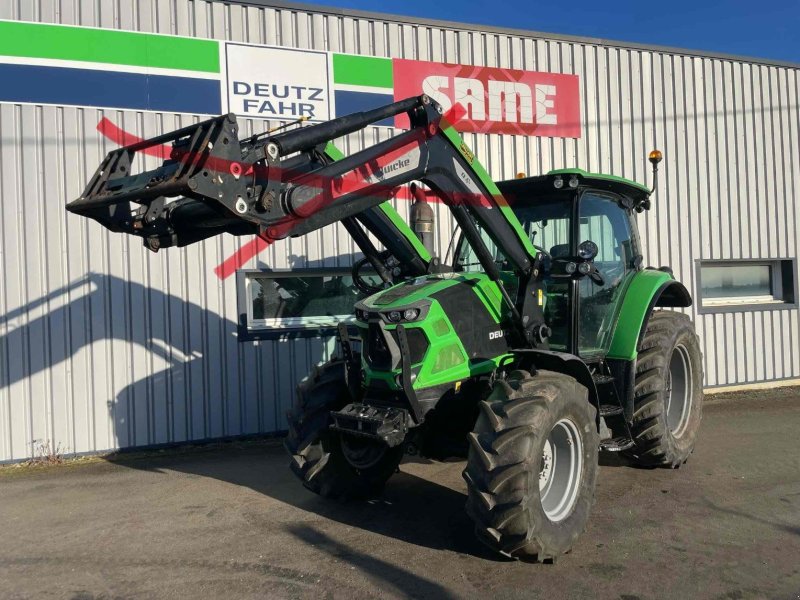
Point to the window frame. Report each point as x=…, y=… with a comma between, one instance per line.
x=250, y=329
x=783, y=295
x=630, y=268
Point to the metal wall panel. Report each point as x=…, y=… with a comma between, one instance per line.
x=104, y=345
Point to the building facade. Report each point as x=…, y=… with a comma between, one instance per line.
x=105, y=345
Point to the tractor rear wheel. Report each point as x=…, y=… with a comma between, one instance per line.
x=668, y=392
x=323, y=459
x=532, y=465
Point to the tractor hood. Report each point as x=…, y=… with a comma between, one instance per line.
x=469, y=290
x=412, y=290
x=453, y=321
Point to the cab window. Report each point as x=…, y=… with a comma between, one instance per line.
x=546, y=222
x=467, y=259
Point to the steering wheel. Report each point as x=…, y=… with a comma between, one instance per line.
x=542, y=250
x=358, y=279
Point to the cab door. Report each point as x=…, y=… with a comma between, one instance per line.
x=603, y=220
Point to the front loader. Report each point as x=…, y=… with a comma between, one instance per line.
x=542, y=343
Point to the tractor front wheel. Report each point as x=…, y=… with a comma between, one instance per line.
x=532, y=465
x=329, y=464
x=668, y=392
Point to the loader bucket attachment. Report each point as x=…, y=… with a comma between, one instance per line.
x=206, y=168
x=222, y=184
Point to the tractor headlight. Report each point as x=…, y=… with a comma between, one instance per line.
x=399, y=316
x=573, y=182
x=558, y=183
x=411, y=314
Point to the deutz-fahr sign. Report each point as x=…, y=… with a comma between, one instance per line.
x=275, y=83
x=173, y=74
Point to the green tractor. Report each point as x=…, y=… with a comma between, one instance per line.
x=543, y=343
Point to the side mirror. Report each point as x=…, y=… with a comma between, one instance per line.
x=587, y=250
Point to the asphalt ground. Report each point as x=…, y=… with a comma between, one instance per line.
x=231, y=521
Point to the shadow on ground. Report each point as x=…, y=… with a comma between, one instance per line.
x=411, y=509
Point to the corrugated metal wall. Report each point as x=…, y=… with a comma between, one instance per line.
x=105, y=345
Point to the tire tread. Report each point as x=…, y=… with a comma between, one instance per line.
x=499, y=469
x=649, y=428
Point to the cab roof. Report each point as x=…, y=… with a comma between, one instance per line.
x=545, y=184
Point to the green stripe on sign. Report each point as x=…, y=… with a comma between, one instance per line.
x=349, y=69
x=34, y=40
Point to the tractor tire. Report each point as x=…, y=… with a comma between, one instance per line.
x=532, y=465
x=318, y=458
x=667, y=392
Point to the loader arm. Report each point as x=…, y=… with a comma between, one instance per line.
x=278, y=185
x=391, y=230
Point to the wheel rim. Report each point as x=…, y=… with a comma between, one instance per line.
x=562, y=468
x=679, y=390
x=362, y=453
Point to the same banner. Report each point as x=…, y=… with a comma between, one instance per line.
x=495, y=100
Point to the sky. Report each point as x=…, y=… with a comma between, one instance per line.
x=767, y=29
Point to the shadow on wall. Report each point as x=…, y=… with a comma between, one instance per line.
x=413, y=510
x=137, y=367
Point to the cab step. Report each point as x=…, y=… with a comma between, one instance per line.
x=609, y=410
x=617, y=444
x=602, y=379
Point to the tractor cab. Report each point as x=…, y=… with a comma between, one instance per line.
x=584, y=226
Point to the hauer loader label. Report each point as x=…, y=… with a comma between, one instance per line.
x=495, y=100
x=278, y=83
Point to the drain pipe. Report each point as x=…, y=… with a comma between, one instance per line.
x=422, y=220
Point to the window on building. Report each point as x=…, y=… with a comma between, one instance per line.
x=307, y=299
x=731, y=284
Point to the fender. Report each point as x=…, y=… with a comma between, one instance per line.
x=648, y=289
x=562, y=363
